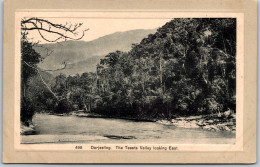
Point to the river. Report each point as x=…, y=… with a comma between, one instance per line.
x=74, y=129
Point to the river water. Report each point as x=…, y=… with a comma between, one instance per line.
x=74, y=129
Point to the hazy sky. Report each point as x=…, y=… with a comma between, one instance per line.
x=101, y=27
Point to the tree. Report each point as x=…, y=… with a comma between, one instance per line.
x=49, y=32
x=29, y=59
x=186, y=67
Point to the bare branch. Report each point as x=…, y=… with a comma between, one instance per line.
x=67, y=28
x=57, y=97
x=38, y=69
x=66, y=32
x=65, y=66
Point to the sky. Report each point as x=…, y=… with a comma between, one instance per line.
x=101, y=27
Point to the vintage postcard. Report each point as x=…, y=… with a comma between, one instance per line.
x=124, y=81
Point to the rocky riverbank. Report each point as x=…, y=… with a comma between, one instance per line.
x=204, y=122
x=207, y=122
x=27, y=130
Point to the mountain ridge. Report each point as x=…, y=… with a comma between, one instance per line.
x=74, y=52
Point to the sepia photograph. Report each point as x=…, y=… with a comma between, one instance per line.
x=134, y=81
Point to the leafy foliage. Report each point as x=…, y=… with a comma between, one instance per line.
x=30, y=56
x=33, y=97
x=186, y=68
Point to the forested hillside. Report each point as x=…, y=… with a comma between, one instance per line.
x=188, y=67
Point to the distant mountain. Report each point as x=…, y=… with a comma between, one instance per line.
x=83, y=56
x=88, y=65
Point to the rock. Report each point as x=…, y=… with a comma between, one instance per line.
x=219, y=115
x=205, y=122
x=210, y=121
x=174, y=120
x=191, y=118
x=230, y=124
x=221, y=126
x=164, y=122
x=208, y=127
x=201, y=123
x=227, y=128
x=194, y=126
x=216, y=120
x=211, y=127
x=227, y=113
x=25, y=130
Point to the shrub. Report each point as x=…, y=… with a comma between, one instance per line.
x=64, y=106
x=27, y=112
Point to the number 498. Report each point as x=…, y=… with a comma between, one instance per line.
x=78, y=147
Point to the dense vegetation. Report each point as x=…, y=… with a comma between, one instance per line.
x=187, y=67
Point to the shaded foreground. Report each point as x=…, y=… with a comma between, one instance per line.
x=75, y=129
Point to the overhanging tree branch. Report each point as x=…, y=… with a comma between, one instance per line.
x=56, y=32
x=57, y=97
x=38, y=71
x=67, y=31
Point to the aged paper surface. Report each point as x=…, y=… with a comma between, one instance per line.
x=50, y=147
